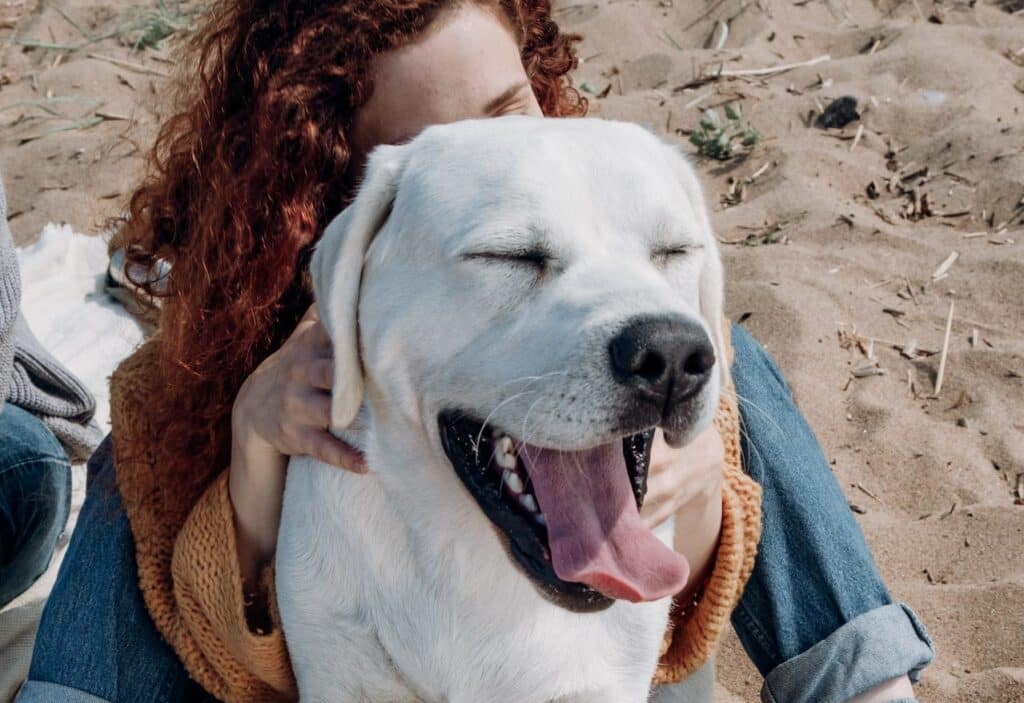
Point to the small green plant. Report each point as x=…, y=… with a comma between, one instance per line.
x=720, y=139
x=150, y=27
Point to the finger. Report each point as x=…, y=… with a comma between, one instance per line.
x=313, y=409
x=662, y=454
x=318, y=374
x=657, y=516
x=318, y=337
x=325, y=447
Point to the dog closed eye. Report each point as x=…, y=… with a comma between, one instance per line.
x=534, y=257
x=663, y=255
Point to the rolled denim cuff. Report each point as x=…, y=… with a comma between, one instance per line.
x=46, y=692
x=880, y=645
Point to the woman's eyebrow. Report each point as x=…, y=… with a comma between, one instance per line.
x=506, y=95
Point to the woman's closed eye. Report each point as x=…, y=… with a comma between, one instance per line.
x=515, y=100
x=519, y=107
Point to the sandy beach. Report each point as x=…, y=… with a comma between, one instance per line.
x=876, y=260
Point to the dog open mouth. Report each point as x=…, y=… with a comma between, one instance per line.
x=571, y=518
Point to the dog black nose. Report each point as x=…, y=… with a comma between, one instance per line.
x=665, y=358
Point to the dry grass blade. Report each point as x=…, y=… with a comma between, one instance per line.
x=112, y=116
x=130, y=66
x=70, y=20
x=945, y=352
x=79, y=124
x=944, y=267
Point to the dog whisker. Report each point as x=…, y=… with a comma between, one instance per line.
x=498, y=407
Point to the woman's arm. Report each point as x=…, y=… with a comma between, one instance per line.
x=727, y=533
x=282, y=410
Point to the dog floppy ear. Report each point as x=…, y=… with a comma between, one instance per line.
x=336, y=269
x=712, y=283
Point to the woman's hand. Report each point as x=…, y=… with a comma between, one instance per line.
x=282, y=410
x=687, y=483
x=678, y=477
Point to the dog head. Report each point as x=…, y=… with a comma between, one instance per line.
x=528, y=300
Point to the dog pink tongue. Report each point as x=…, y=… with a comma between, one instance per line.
x=595, y=532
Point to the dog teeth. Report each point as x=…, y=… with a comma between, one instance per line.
x=505, y=459
x=505, y=452
x=512, y=481
x=528, y=502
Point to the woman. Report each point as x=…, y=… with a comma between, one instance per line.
x=269, y=145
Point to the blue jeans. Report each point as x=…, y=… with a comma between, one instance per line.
x=96, y=641
x=815, y=617
x=35, y=498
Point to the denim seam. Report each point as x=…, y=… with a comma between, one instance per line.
x=742, y=611
x=59, y=461
x=767, y=694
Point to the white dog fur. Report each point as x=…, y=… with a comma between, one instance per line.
x=394, y=587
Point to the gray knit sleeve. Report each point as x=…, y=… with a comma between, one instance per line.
x=10, y=298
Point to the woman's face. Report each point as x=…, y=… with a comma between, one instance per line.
x=466, y=66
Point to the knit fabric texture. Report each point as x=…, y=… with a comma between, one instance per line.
x=29, y=376
x=10, y=298
x=191, y=582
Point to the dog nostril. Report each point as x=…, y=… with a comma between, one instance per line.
x=651, y=366
x=633, y=359
x=699, y=362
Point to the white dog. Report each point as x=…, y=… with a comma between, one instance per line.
x=516, y=304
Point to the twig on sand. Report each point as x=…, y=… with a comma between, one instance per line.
x=772, y=70
x=856, y=138
x=698, y=100
x=136, y=67
x=722, y=32
x=944, y=267
x=945, y=352
x=860, y=487
x=705, y=78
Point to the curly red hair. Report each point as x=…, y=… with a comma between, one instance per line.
x=244, y=177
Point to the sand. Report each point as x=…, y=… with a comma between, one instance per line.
x=820, y=262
